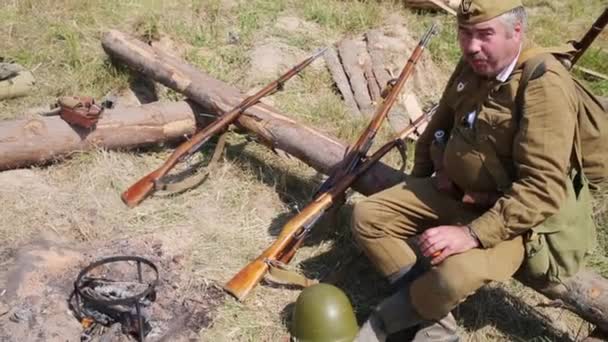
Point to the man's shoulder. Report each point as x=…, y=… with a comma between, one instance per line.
x=540, y=71
x=552, y=60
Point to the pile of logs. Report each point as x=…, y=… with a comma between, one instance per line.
x=31, y=141
x=362, y=67
x=449, y=6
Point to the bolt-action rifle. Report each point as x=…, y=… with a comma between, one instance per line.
x=298, y=227
x=582, y=45
x=359, y=150
x=145, y=186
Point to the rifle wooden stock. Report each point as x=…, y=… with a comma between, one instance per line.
x=357, y=151
x=595, y=30
x=145, y=186
x=293, y=233
x=247, y=278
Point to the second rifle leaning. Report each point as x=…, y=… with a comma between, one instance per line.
x=146, y=185
x=353, y=165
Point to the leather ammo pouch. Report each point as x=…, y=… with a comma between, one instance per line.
x=79, y=110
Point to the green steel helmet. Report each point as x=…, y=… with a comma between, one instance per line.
x=323, y=313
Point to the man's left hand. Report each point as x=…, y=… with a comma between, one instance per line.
x=440, y=242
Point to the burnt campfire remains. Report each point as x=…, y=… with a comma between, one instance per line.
x=115, y=294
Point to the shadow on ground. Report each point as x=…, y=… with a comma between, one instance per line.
x=297, y=193
x=509, y=314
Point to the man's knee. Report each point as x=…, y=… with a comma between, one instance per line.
x=438, y=291
x=363, y=218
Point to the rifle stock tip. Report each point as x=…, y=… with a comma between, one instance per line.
x=238, y=294
x=127, y=201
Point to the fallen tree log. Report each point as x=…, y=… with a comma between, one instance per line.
x=586, y=294
x=273, y=128
x=42, y=139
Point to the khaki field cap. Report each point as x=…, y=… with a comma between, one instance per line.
x=476, y=11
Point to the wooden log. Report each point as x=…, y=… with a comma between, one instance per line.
x=407, y=109
x=447, y=6
x=586, y=294
x=42, y=139
x=337, y=72
x=372, y=83
x=376, y=53
x=273, y=128
x=352, y=59
x=604, y=101
x=591, y=73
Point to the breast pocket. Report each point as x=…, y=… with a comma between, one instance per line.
x=496, y=125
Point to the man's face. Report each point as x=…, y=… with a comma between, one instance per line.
x=489, y=46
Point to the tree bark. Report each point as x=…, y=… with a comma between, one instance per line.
x=43, y=139
x=273, y=128
x=586, y=294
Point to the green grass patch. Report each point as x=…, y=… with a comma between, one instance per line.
x=595, y=59
x=256, y=14
x=343, y=16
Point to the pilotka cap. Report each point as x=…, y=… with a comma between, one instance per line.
x=476, y=11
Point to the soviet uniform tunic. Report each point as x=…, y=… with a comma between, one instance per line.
x=488, y=143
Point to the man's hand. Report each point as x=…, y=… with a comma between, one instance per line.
x=440, y=242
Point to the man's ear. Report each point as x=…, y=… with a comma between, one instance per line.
x=518, y=31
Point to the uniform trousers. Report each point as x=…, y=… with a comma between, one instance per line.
x=385, y=226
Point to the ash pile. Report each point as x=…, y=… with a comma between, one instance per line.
x=108, y=298
x=142, y=292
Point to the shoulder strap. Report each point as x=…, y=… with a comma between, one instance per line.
x=534, y=68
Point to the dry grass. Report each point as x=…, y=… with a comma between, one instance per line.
x=237, y=211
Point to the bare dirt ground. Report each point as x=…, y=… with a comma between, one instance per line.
x=69, y=213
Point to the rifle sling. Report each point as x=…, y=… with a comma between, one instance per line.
x=171, y=188
x=279, y=274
